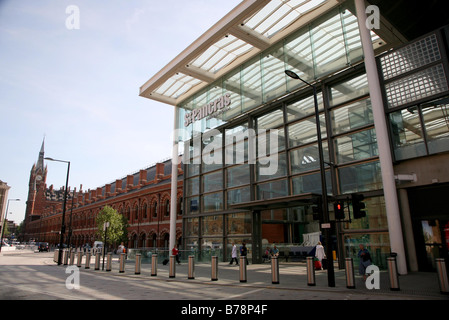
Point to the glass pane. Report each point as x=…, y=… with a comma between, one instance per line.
x=251, y=85
x=238, y=223
x=328, y=46
x=271, y=120
x=436, y=122
x=213, y=181
x=362, y=177
x=378, y=245
x=352, y=116
x=211, y=247
x=231, y=85
x=304, y=108
x=238, y=175
x=358, y=146
x=307, y=158
x=348, y=90
x=376, y=216
x=269, y=165
x=304, y=132
x=191, y=226
x=212, y=225
x=272, y=189
x=311, y=183
x=408, y=141
x=236, y=196
x=213, y=202
x=299, y=59
x=274, y=78
x=193, y=205
x=192, y=186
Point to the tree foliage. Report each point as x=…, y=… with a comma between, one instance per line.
x=118, y=224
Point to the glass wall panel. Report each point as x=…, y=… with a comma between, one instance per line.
x=231, y=85
x=274, y=77
x=304, y=108
x=407, y=135
x=376, y=216
x=238, y=175
x=213, y=181
x=436, y=122
x=362, y=177
x=352, y=36
x=311, y=183
x=238, y=223
x=357, y=146
x=251, y=85
x=276, y=165
x=328, y=45
x=211, y=247
x=236, y=196
x=307, y=158
x=191, y=226
x=192, y=186
x=352, y=116
x=212, y=225
x=213, y=202
x=193, y=205
x=378, y=245
x=348, y=90
x=271, y=120
x=299, y=58
x=272, y=189
x=304, y=132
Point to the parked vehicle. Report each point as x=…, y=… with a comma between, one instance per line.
x=43, y=246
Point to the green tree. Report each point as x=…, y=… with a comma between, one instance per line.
x=118, y=225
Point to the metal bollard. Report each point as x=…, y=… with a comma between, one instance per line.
x=172, y=272
x=122, y=262
x=393, y=273
x=350, y=280
x=79, y=260
x=214, y=271
x=97, y=261
x=138, y=263
x=55, y=255
x=109, y=262
x=72, y=257
x=274, y=270
x=242, y=267
x=154, y=265
x=87, y=265
x=310, y=272
x=191, y=274
x=442, y=275
x=66, y=257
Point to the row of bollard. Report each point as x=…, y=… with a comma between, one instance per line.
x=349, y=268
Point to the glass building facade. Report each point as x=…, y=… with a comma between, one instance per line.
x=250, y=146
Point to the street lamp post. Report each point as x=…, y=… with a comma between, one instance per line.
x=3, y=224
x=325, y=208
x=61, y=239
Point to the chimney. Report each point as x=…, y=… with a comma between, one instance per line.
x=159, y=171
x=142, y=177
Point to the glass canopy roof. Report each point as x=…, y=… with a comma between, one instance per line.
x=253, y=26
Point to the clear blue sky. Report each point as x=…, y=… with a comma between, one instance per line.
x=80, y=87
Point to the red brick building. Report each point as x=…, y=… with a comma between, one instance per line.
x=143, y=197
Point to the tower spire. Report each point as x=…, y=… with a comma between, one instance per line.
x=40, y=160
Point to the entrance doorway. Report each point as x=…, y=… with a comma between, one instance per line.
x=430, y=216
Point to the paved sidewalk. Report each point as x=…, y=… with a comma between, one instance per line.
x=292, y=276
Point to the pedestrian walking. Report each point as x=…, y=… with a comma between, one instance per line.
x=175, y=252
x=244, y=251
x=320, y=254
x=365, y=260
x=234, y=255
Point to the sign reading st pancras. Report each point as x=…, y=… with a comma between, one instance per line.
x=209, y=110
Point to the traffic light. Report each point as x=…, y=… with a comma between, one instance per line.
x=358, y=205
x=339, y=209
x=317, y=209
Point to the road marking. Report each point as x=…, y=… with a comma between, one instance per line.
x=241, y=294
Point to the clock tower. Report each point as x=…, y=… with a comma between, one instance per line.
x=36, y=190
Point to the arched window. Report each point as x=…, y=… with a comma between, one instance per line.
x=144, y=211
x=167, y=207
x=155, y=209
